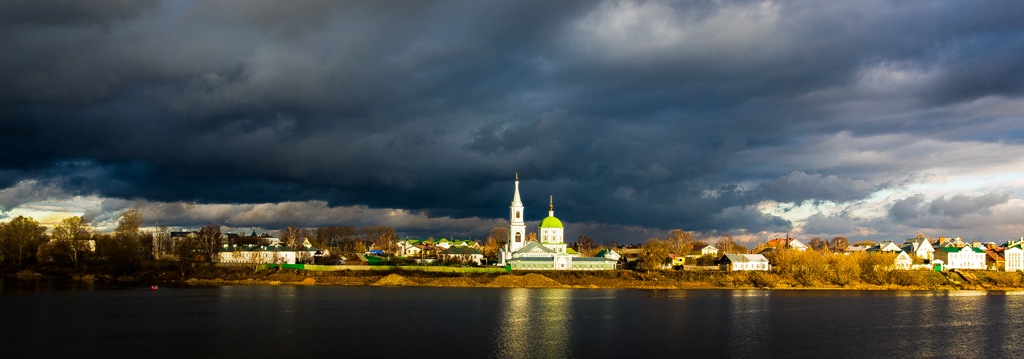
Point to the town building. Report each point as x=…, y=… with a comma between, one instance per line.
x=429, y=248
x=1013, y=258
x=744, y=262
x=549, y=251
x=782, y=243
x=703, y=250
x=266, y=254
x=462, y=254
x=903, y=261
x=920, y=248
x=965, y=257
x=885, y=246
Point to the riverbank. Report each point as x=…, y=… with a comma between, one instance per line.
x=626, y=279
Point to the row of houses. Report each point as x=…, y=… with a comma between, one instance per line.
x=941, y=253
x=449, y=250
x=235, y=248
x=273, y=252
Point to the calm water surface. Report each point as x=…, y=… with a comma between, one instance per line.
x=42, y=319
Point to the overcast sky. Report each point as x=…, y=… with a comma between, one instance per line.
x=868, y=119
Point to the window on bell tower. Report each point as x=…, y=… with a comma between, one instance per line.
x=517, y=215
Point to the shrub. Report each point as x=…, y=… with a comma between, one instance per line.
x=843, y=269
x=876, y=268
x=763, y=280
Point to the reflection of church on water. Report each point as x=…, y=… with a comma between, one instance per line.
x=548, y=251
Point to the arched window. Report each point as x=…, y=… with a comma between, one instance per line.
x=519, y=237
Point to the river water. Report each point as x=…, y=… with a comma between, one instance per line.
x=43, y=319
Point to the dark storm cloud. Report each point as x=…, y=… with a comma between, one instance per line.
x=798, y=186
x=651, y=114
x=917, y=208
x=70, y=12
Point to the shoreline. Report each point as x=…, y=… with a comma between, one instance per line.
x=573, y=280
x=620, y=279
x=255, y=282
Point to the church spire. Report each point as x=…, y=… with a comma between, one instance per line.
x=551, y=206
x=516, y=200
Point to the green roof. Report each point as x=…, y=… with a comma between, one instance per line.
x=571, y=251
x=460, y=250
x=551, y=222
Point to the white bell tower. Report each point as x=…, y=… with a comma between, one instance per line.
x=517, y=227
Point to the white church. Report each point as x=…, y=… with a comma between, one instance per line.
x=549, y=251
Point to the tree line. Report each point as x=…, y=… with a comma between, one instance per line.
x=73, y=244
x=655, y=253
x=24, y=242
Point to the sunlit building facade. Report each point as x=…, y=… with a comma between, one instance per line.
x=549, y=251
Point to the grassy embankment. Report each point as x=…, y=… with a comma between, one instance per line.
x=882, y=280
x=794, y=270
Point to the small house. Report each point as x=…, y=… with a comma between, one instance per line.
x=462, y=254
x=903, y=261
x=743, y=262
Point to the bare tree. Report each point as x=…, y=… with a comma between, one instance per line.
x=291, y=237
x=586, y=246
x=123, y=251
x=679, y=242
x=209, y=240
x=495, y=240
x=818, y=244
x=19, y=240
x=185, y=250
x=69, y=240
x=382, y=237
x=839, y=244
x=343, y=238
x=727, y=245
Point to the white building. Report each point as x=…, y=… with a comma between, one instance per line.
x=256, y=254
x=885, y=246
x=920, y=248
x=703, y=250
x=1014, y=258
x=549, y=251
x=966, y=257
x=743, y=262
x=464, y=254
x=797, y=245
x=903, y=261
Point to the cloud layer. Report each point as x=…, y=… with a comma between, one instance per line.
x=870, y=119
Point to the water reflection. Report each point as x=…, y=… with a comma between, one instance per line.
x=1011, y=322
x=513, y=323
x=17, y=286
x=748, y=322
x=965, y=319
x=534, y=323
x=266, y=309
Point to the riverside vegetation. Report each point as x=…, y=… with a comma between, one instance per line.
x=847, y=272
x=26, y=250
x=793, y=270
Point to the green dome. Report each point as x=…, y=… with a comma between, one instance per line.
x=551, y=222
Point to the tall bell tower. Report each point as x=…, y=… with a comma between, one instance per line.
x=516, y=227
